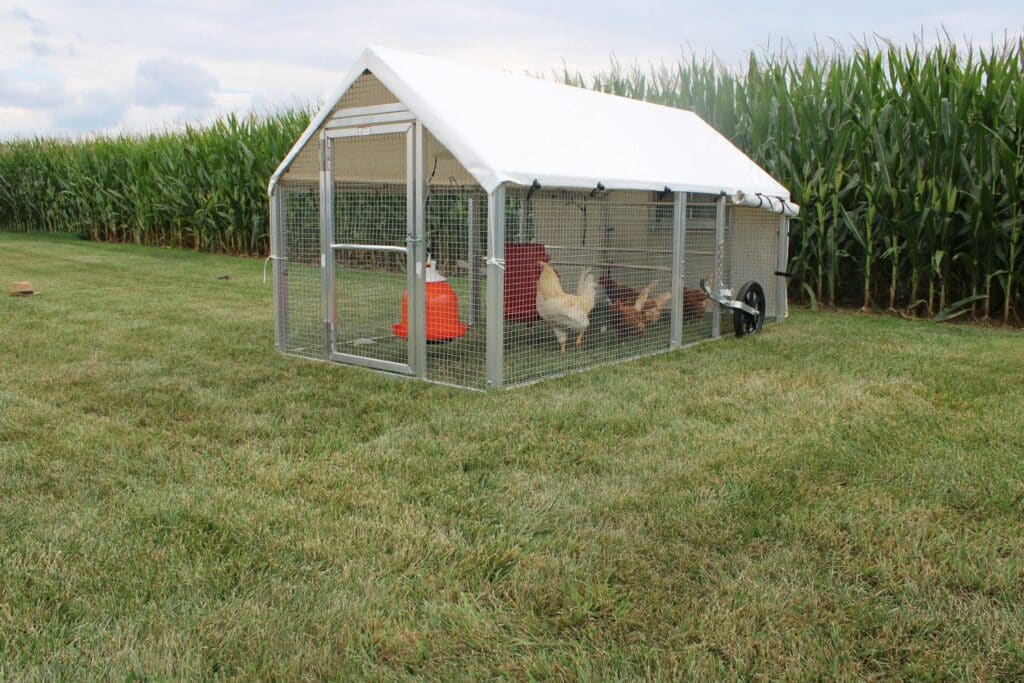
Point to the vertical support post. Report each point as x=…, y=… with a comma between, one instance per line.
x=473, y=258
x=326, y=236
x=521, y=233
x=277, y=276
x=417, y=254
x=496, y=288
x=678, y=268
x=716, y=315
x=782, y=304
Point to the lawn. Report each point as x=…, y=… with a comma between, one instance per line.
x=841, y=496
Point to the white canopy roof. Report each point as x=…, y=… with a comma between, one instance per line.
x=508, y=128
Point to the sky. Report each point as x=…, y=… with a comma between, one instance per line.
x=83, y=68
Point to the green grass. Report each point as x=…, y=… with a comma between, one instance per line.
x=841, y=496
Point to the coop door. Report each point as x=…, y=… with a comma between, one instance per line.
x=369, y=270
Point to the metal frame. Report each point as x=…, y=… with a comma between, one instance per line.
x=348, y=121
x=678, y=267
x=496, y=288
x=370, y=110
x=782, y=295
x=280, y=324
x=417, y=255
x=716, y=314
x=417, y=340
x=397, y=118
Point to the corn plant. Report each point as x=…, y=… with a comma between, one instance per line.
x=199, y=188
x=907, y=162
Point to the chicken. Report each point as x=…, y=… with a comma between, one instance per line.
x=631, y=319
x=634, y=311
x=626, y=301
x=694, y=303
x=565, y=313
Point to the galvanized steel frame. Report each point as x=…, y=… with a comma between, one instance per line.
x=678, y=267
x=496, y=288
x=716, y=314
x=782, y=304
x=416, y=341
x=277, y=276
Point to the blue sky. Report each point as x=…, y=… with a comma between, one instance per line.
x=74, y=68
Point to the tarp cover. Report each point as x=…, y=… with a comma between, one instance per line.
x=508, y=128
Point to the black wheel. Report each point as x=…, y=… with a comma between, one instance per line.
x=752, y=295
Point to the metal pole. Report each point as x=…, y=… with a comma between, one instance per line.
x=716, y=315
x=678, y=268
x=496, y=288
x=326, y=238
x=418, y=273
x=276, y=256
x=782, y=305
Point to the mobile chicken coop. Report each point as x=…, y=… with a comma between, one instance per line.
x=476, y=228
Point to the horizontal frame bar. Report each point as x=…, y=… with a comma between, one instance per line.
x=622, y=266
x=369, y=120
x=382, y=129
x=363, y=361
x=369, y=110
x=391, y=248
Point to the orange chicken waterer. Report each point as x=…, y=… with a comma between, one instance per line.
x=443, y=322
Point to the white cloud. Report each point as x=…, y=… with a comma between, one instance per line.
x=37, y=27
x=29, y=94
x=74, y=66
x=90, y=111
x=168, y=81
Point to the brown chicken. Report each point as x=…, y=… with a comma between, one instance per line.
x=636, y=311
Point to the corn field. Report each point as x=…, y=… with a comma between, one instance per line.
x=906, y=161
x=200, y=188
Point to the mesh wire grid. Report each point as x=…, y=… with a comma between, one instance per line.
x=370, y=209
x=455, y=230
x=603, y=293
x=299, y=254
x=607, y=294
x=754, y=253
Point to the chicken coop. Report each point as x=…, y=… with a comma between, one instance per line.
x=475, y=228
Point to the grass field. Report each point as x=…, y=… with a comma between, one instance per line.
x=842, y=496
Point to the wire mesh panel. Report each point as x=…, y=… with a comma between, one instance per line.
x=700, y=260
x=754, y=252
x=370, y=219
x=455, y=225
x=299, y=264
x=365, y=91
x=587, y=279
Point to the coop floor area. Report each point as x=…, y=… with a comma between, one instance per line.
x=365, y=327
x=838, y=497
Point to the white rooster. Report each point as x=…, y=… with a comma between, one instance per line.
x=565, y=312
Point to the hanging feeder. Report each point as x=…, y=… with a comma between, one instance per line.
x=443, y=322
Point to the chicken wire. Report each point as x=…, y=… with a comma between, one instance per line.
x=754, y=248
x=617, y=246
x=298, y=262
x=702, y=260
x=607, y=296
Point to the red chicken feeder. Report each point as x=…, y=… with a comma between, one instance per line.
x=521, y=273
x=443, y=322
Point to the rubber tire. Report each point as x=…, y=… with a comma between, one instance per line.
x=752, y=294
